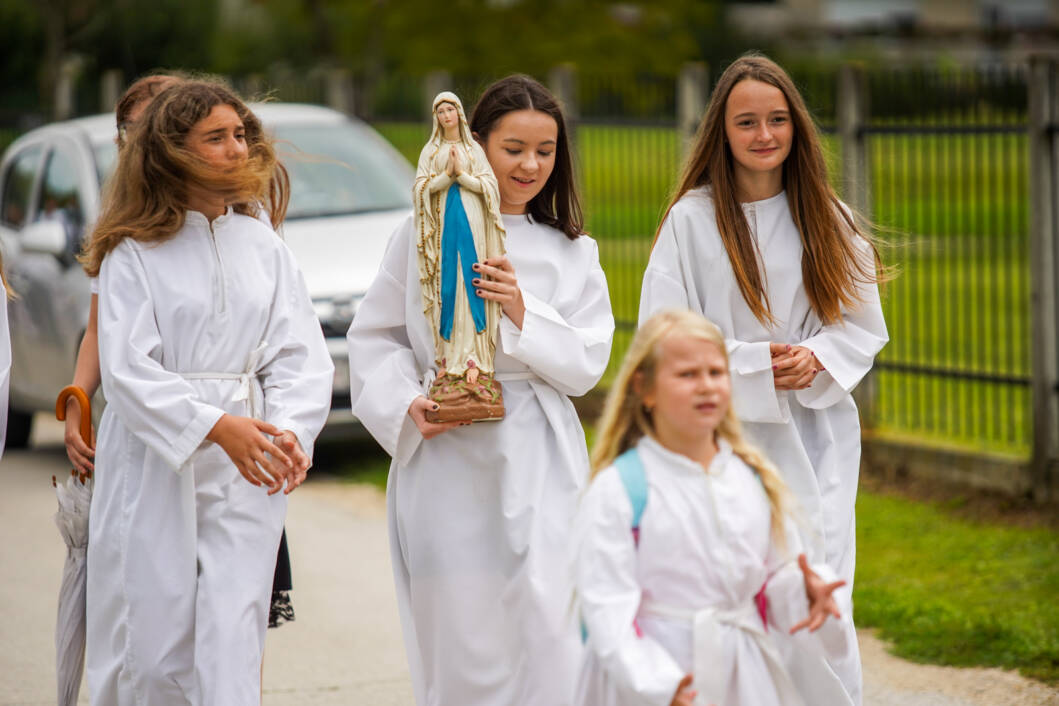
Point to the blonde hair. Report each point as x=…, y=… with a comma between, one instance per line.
x=625, y=419
x=833, y=265
x=146, y=197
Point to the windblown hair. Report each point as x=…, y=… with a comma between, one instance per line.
x=147, y=196
x=625, y=419
x=557, y=204
x=142, y=91
x=835, y=256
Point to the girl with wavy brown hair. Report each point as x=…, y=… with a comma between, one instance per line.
x=217, y=379
x=756, y=240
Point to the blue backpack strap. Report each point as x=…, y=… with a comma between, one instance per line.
x=633, y=477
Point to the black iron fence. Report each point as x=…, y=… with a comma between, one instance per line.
x=939, y=159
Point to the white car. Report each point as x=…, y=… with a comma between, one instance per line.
x=349, y=190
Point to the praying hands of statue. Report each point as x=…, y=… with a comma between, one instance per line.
x=821, y=601
x=455, y=168
x=497, y=282
x=793, y=367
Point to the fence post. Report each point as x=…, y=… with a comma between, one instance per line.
x=1044, y=190
x=852, y=116
x=339, y=87
x=434, y=83
x=110, y=85
x=692, y=93
x=562, y=80
x=66, y=87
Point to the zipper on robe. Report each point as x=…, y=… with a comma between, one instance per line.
x=220, y=271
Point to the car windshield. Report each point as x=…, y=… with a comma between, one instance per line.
x=334, y=170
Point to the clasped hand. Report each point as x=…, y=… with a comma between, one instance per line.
x=261, y=461
x=793, y=367
x=454, y=168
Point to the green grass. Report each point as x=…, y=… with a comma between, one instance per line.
x=948, y=591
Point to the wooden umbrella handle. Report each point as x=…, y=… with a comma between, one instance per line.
x=82, y=402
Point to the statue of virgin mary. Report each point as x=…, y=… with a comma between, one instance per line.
x=458, y=223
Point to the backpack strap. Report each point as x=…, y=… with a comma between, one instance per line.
x=633, y=477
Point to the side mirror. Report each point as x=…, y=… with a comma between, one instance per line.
x=47, y=237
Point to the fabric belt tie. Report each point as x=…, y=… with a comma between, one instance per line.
x=244, y=391
x=712, y=663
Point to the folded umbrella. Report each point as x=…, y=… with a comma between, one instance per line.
x=75, y=497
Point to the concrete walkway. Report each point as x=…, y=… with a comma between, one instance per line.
x=345, y=648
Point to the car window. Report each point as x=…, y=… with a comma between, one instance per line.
x=340, y=169
x=60, y=198
x=18, y=183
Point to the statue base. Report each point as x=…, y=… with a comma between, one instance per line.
x=463, y=402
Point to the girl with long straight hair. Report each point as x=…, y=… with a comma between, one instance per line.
x=480, y=515
x=756, y=240
x=693, y=600
x=217, y=379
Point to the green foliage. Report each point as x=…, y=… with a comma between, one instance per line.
x=948, y=591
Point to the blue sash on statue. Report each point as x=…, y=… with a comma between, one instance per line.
x=457, y=249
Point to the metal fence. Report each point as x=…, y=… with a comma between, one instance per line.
x=939, y=159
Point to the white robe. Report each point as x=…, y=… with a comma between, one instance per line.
x=182, y=548
x=480, y=516
x=812, y=435
x=5, y=366
x=705, y=544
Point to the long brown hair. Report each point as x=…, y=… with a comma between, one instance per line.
x=625, y=420
x=834, y=263
x=146, y=197
x=557, y=204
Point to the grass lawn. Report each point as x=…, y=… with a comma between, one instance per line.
x=949, y=590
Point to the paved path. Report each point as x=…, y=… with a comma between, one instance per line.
x=344, y=649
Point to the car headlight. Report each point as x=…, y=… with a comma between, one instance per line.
x=336, y=313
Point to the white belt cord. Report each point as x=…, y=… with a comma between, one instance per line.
x=245, y=391
x=711, y=678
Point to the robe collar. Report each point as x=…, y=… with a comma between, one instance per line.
x=199, y=219
x=682, y=464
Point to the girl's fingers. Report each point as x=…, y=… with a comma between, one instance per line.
x=264, y=426
x=271, y=449
x=266, y=469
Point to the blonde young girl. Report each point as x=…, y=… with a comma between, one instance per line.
x=218, y=380
x=697, y=604
x=757, y=242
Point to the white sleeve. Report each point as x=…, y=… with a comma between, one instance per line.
x=383, y=375
x=663, y=282
x=93, y=284
x=569, y=352
x=847, y=350
x=788, y=603
x=297, y=373
x=5, y=366
x=158, y=406
x=642, y=671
